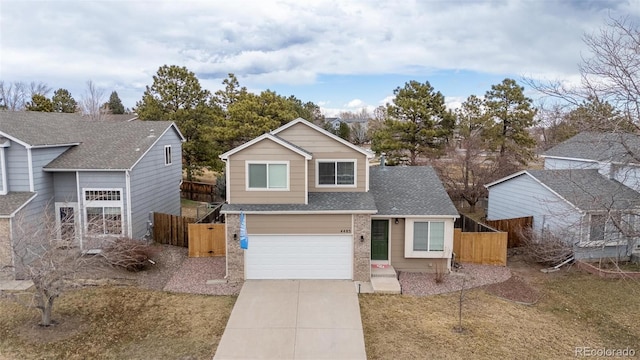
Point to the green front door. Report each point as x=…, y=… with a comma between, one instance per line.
x=379, y=240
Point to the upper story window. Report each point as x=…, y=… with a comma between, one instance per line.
x=268, y=176
x=167, y=154
x=336, y=172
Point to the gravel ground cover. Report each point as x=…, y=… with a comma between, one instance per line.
x=193, y=274
x=473, y=275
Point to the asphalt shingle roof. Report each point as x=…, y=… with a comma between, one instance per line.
x=588, y=189
x=101, y=144
x=12, y=201
x=609, y=147
x=411, y=190
x=318, y=202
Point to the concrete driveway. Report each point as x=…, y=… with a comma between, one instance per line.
x=294, y=319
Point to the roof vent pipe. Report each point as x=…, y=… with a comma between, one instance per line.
x=382, y=160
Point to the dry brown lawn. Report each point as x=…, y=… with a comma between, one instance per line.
x=575, y=310
x=117, y=323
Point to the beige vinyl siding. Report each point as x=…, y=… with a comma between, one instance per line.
x=266, y=150
x=299, y=224
x=324, y=147
x=400, y=263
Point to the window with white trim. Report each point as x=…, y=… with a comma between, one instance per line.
x=424, y=237
x=268, y=176
x=336, y=172
x=167, y=154
x=103, y=212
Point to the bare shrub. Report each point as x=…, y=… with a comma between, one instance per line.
x=440, y=274
x=545, y=248
x=129, y=254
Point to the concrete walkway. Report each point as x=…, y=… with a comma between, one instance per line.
x=294, y=319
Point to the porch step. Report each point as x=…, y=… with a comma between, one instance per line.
x=383, y=271
x=385, y=285
x=384, y=279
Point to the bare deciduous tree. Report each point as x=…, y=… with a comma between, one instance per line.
x=92, y=102
x=610, y=72
x=13, y=96
x=45, y=254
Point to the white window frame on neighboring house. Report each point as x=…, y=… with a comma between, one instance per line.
x=106, y=200
x=432, y=248
x=336, y=174
x=167, y=155
x=60, y=222
x=269, y=186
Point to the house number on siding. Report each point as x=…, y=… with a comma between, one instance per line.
x=345, y=231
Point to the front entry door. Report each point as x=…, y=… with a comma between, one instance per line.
x=380, y=240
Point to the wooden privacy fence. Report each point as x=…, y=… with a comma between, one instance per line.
x=488, y=248
x=201, y=239
x=198, y=191
x=513, y=227
x=206, y=240
x=171, y=229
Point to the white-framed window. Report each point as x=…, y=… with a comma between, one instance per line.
x=268, y=175
x=424, y=238
x=336, y=173
x=597, y=227
x=67, y=221
x=103, y=211
x=167, y=154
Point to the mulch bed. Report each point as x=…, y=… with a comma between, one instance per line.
x=515, y=289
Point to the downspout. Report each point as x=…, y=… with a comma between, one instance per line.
x=80, y=199
x=128, y=207
x=30, y=164
x=3, y=172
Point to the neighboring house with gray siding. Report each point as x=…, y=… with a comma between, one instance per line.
x=94, y=179
x=315, y=209
x=587, y=194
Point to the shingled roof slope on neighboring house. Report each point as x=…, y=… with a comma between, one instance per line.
x=608, y=147
x=96, y=145
x=410, y=190
x=587, y=189
x=13, y=201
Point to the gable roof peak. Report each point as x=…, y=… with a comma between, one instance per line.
x=315, y=127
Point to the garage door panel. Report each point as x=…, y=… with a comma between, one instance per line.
x=299, y=257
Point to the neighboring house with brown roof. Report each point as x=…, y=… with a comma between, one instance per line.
x=315, y=209
x=93, y=178
x=587, y=195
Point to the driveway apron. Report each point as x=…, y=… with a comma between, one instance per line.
x=294, y=319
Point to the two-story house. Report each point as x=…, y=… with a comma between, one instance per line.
x=587, y=194
x=93, y=179
x=315, y=209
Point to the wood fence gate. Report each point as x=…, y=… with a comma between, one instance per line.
x=206, y=240
x=488, y=248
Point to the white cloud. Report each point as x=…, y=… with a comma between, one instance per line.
x=355, y=104
x=122, y=43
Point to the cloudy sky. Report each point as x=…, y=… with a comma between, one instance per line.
x=342, y=55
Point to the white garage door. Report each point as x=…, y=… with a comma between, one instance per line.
x=299, y=257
